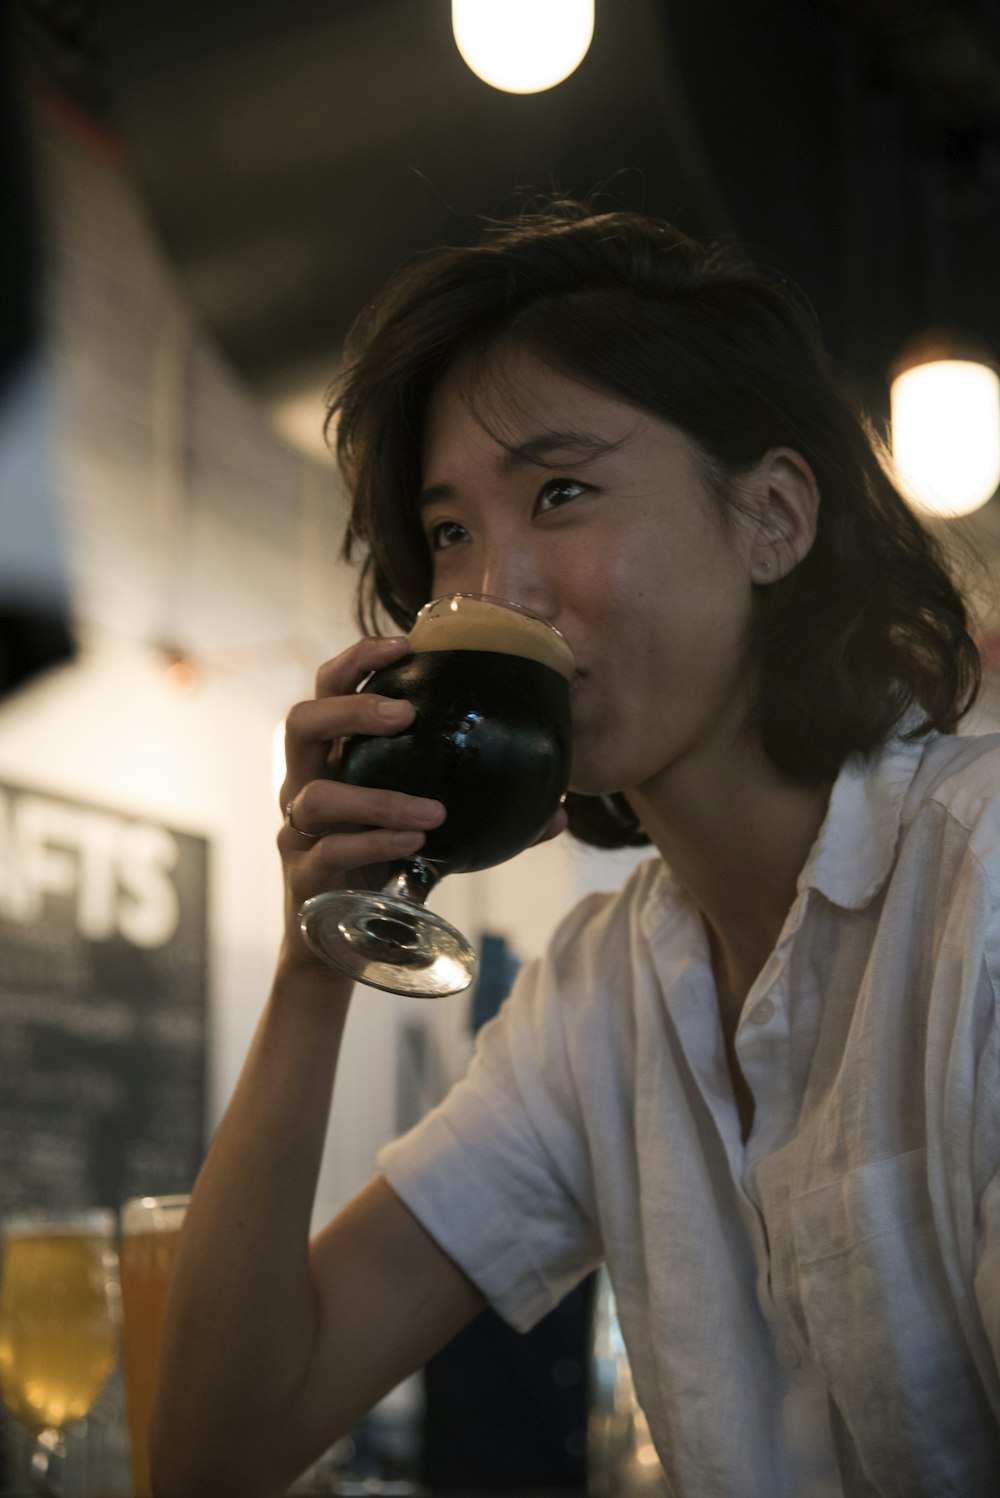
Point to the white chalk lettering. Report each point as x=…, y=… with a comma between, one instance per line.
x=116, y=871
x=147, y=909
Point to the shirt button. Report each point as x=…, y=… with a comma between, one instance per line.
x=763, y=1012
x=788, y=1355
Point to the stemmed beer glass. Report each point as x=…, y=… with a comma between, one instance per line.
x=59, y=1315
x=491, y=739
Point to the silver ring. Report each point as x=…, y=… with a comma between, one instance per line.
x=312, y=836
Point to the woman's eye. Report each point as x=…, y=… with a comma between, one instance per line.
x=558, y=492
x=446, y=533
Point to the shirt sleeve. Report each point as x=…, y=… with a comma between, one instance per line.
x=987, y=1277
x=499, y=1173
x=985, y=1152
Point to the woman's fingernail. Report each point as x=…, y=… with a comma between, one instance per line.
x=392, y=708
x=428, y=813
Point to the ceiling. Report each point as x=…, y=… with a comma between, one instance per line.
x=293, y=160
x=292, y=152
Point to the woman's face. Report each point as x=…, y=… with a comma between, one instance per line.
x=596, y=516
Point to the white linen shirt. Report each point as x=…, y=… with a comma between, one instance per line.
x=816, y=1312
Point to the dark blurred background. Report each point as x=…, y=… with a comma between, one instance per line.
x=291, y=154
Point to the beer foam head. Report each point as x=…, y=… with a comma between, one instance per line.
x=467, y=623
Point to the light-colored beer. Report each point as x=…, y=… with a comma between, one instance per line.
x=58, y=1335
x=467, y=622
x=148, y=1247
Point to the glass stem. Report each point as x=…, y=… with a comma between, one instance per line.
x=412, y=880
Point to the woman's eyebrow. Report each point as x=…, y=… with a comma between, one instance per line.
x=539, y=451
x=583, y=446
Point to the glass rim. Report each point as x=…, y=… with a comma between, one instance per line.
x=33, y=1221
x=153, y=1213
x=504, y=603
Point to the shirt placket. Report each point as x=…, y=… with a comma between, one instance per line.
x=762, y=1049
x=762, y=1040
x=699, y=1028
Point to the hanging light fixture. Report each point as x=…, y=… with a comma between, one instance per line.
x=523, y=46
x=945, y=411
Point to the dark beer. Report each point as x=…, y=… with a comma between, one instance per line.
x=491, y=736
x=491, y=740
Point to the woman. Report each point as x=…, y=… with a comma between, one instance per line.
x=761, y=1082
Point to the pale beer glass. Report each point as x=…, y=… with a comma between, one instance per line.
x=150, y=1230
x=59, y=1319
x=490, y=682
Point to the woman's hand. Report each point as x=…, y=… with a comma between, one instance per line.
x=332, y=830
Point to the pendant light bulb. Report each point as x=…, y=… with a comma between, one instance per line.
x=945, y=410
x=523, y=46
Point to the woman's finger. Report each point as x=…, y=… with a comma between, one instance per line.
x=311, y=727
x=324, y=719
x=345, y=672
x=344, y=860
x=326, y=862
x=308, y=734
x=323, y=807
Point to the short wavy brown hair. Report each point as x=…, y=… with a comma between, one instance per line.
x=867, y=626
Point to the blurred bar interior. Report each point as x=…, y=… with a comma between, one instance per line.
x=197, y=200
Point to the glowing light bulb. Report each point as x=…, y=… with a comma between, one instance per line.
x=946, y=434
x=523, y=46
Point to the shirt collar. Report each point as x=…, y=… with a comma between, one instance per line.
x=855, y=847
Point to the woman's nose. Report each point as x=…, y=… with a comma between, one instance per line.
x=518, y=577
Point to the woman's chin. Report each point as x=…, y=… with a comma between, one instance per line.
x=593, y=785
x=604, y=765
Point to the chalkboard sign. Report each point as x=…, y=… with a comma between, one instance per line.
x=103, y=999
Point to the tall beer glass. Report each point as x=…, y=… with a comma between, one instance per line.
x=150, y=1230
x=491, y=740
x=59, y=1313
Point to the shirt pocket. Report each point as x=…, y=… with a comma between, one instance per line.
x=882, y=1328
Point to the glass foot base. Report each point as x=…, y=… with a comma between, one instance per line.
x=388, y=943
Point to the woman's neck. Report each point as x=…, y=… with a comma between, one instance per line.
x=736, y=835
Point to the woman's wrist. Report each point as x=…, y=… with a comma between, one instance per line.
x=300, y=976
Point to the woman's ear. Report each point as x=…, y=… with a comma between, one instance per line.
x=785, y=500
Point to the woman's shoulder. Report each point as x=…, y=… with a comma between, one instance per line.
x=950, y=828
x=573, y=1011
x=605, y=923
x=606, y=958
x=960, y=775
